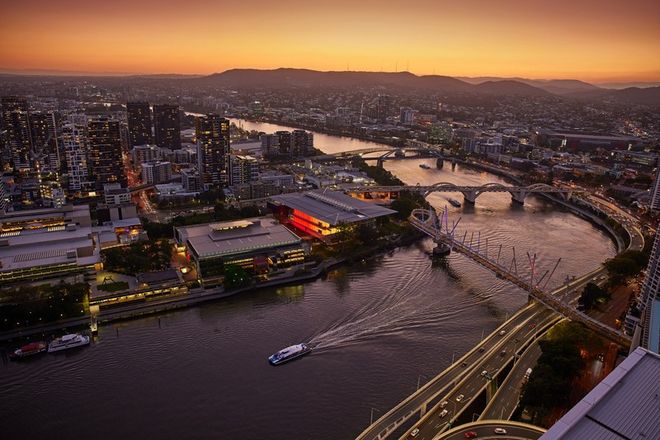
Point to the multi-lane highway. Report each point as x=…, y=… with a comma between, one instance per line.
x=431, y=390
x=479, y=375
x=505, y=401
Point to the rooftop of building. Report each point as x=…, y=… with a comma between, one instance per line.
x=624, y=406
x=48, y=247
x=71, y=211
x=332, y=207
x=158, y=277
x=235, y=237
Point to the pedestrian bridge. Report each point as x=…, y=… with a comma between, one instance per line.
x=429, y=223
x=470, y=193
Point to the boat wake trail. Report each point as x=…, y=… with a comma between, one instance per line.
x=408, y=304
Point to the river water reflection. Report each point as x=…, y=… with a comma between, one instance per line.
x=379, y=325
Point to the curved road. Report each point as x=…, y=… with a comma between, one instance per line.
x=486, y=430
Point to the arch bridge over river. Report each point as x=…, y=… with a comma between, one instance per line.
x=470, y=193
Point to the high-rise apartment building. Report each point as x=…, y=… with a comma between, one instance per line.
x=156, y=172
x=655, y=191
x=167, y=126
x=103, y=135
x=144, y=153
x=190, y=180
x=284, y=141
x=650, y=299
x=74, y=145
x=43, y=137
x=651, y=287
x=212, y=133
x=15, y=120
x=383, y=107
x=407, y=116
x=302, y=143
x=139, y=123
x=244, y=169
x=270, y=144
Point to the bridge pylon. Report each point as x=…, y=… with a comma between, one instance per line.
x=491, y=388
x=519, y=197
x=441, y=250
x=470, y=197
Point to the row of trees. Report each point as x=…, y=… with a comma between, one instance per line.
x=31, y=305
x=559, y=366
x=143, y=256
x=380, y=175
x=627, y=264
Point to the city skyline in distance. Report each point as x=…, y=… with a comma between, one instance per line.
x=472, y=39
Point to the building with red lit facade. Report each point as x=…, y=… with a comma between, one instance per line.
x=323, y=213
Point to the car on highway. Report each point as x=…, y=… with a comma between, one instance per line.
x=414, y=432
x=502, y=332
x=484, y=373
x=443, y=413
x=443, y=404
x=459, y=398
x=500, y=431
x=502, y=353
x=463, y=364
x=470, y=434
x=481, y=349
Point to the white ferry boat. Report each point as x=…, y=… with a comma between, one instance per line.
x=454, y=202
x=68, y=341
x=289, y=353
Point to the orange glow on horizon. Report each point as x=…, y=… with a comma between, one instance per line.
x=588, y=39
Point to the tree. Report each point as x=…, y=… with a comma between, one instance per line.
x=406, y=202
x=157, y=230
x=626, y=264
x=592, y=294
x=236, y=276
x=544, y=388
x=367, y=234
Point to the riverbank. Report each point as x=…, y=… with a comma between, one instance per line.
x=200, y=295
x=621, y=242
x=330, y=132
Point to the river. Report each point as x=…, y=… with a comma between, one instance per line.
x=380, y=327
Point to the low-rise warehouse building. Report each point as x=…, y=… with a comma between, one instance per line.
x=259, y=245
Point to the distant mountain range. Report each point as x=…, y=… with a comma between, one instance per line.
x=284, y=78
x=555, y=86
x=305, y=78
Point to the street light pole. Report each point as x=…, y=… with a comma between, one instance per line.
x=371, y=419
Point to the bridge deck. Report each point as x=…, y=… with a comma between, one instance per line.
x=543, y=297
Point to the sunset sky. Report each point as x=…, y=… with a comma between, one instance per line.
x=593, y=40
